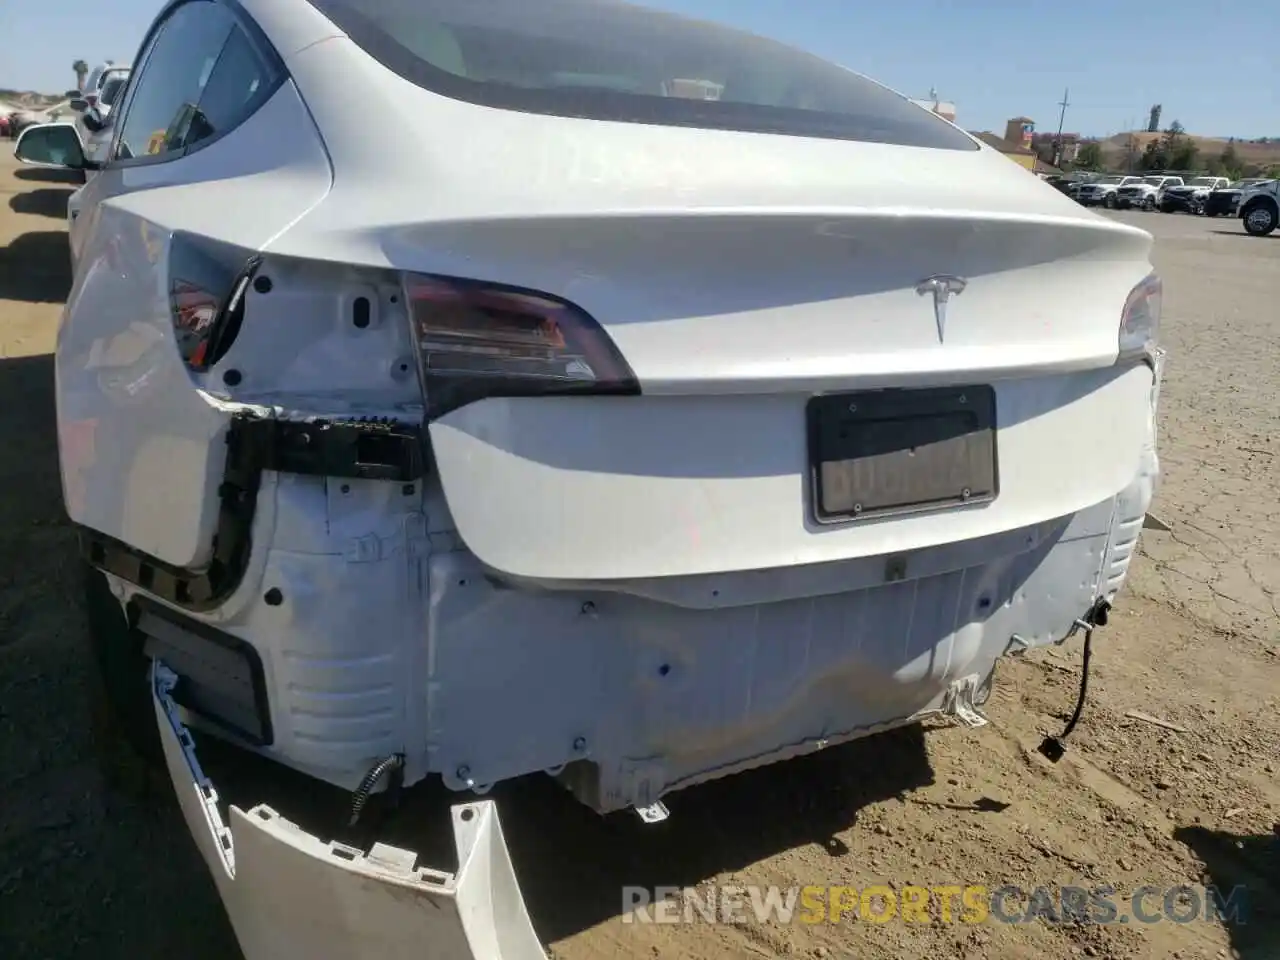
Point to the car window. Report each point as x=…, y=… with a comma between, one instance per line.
x=170, y=82
x=239, y=81
x=605, y=60
x=200, y=78
x=111, y=91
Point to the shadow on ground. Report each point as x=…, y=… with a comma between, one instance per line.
x=1241, y=233
x=49, y=175
x=36, y=268
x=45, y=202
x=1249, y=865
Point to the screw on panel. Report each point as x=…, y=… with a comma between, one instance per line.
x=580, y=744
x=588, y=609
x=464, y=774
x=262, y=284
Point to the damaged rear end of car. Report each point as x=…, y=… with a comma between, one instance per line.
x=626, y=436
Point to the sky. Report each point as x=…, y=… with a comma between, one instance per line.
x=994, y=59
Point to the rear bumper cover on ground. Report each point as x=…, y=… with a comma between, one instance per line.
x=289, y=894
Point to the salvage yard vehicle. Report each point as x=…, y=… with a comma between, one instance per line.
x=1226, y=201
x=639, y=436
x=1146, y=193
x=1192, y=195
x=1102, y=190
x=1260, y=208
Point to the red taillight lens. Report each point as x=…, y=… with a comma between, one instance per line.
x=207, y=282
x=194, y=312
x=478, y=340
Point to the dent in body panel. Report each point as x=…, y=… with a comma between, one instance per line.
x=147, y=452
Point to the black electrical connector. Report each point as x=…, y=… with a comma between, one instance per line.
x=1055, y=748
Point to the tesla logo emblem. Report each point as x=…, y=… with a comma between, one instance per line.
x=942, y=287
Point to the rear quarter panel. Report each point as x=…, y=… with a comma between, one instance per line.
x=150, y=477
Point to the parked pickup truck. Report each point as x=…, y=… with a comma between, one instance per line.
x=1260, y=208
x=1146, y=193
x=1226, y=200
x=1103, y=190
x=1192, y=195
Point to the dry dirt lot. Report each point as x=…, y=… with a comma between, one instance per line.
x=87, y=871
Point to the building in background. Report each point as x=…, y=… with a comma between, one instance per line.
x=1023, y=156
x=1020, y=130
x=943, y=108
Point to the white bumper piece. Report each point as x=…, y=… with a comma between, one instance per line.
x=291, y=895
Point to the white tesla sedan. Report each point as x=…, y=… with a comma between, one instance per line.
x=479, y=387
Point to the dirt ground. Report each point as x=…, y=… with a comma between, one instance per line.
x=86, y=871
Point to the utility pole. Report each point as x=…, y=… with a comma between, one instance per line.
x=1062, y=116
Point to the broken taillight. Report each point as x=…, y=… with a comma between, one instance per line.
x=207, y=283
x=478, y=340
x=1140, y=320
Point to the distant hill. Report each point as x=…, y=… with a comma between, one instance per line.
x=29, y=98
x=1250, y=152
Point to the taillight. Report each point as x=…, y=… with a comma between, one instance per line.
x=207, y=283
x=478, y=340
x=1140, y=321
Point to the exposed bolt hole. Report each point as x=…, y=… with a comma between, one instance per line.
x=588, y=608
x=360, y=312
x=408, y=489
x=394, y=298
x=231, y=377
x=664, y=669
x=715, y=593
x=404, y=368
x=984, y=603
x=262, y=284
x=345, y=488
x=467, y=815
x=273, y=597
x=462, y=582
x=263, y=815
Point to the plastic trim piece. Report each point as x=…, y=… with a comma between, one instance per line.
x=362, y=449
x=291, y=895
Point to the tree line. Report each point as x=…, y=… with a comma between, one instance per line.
x=1172, y=150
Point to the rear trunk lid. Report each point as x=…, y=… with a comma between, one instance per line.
x=740, y=275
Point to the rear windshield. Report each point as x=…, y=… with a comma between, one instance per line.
x=609, y=60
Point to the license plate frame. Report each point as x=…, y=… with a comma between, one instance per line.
x=884, y=453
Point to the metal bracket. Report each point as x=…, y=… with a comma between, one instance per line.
x=961, y=702
x=362, y=449
x=654, y=812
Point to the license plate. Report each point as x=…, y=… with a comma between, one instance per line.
x=890, y=452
